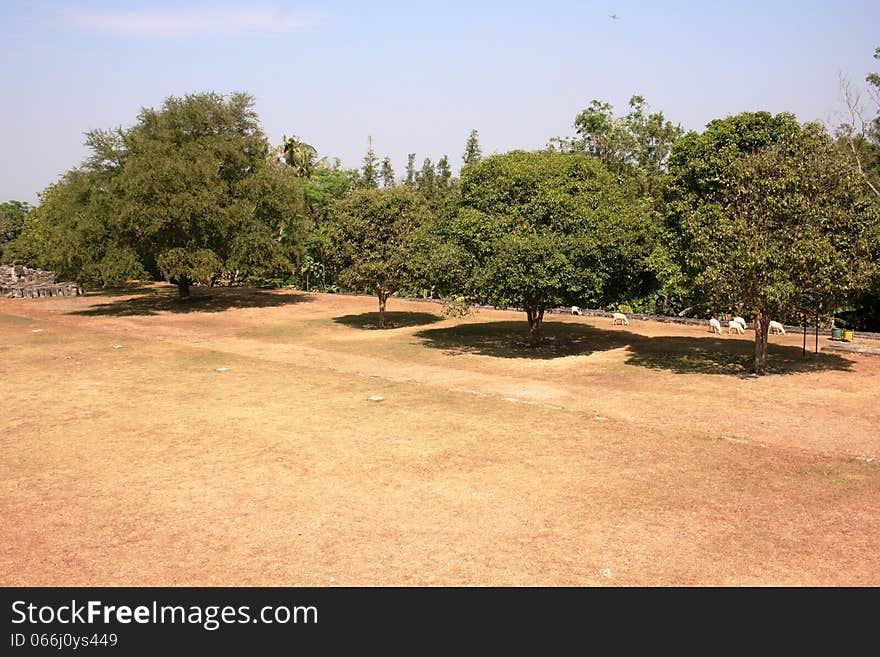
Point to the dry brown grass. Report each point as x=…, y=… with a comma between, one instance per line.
x=642, y=450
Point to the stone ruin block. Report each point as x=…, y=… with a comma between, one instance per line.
x=20, y=282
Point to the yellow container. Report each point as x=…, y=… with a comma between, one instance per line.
x=848, y=335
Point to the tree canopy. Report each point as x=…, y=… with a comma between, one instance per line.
x=764, y=215
x=547, y=228
x=637, y=144
x=188, y=192
x=370, y=233
x=757, y=212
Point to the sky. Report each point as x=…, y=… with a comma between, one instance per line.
x=415, y=76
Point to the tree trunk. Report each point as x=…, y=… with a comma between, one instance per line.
x=183, y=287
x=383, y=297
x=536, y=316
x=762, y=330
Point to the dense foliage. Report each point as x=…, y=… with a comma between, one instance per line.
x=758, y=215
x=636, y=145
x=546, y=228
x=370, y=236
x=13, y=215
x=188, y=193
x=767, y=219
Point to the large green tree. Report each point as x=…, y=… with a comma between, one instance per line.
x=188, y=192
x=371, y=236
x=765, y=215
x=195, y=187
x=546, y=228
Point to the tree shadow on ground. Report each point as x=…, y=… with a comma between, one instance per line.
x=509, y=340
x=679, y=354
x=134, y=287
x=393, y=320
x=201, y=300
x=685, y=355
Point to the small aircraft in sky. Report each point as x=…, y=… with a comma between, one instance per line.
x=614, y=17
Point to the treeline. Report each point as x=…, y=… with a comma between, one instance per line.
x=758, y=215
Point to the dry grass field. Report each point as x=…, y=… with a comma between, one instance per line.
x=231, y=440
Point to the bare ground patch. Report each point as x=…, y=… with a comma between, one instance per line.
x=145, y=465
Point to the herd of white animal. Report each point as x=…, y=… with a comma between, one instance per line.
x=737, y=324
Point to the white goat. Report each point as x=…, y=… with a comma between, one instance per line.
x=715, y=326
x=735, y=326
x=741, y=321
x=576, y=311
x=776, y=327
x=619, y=317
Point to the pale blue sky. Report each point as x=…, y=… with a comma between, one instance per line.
x=416, y=76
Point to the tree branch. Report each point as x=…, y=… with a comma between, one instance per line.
x=855, y=127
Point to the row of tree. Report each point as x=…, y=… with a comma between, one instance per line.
x=758, y=215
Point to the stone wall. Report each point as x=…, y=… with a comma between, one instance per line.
x=22, y=282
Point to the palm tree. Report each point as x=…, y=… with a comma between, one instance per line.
x=300, y=156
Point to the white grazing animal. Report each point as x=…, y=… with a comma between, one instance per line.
x=715, y=326
x=575, y=310
x=741, y=321
x=776, y=327
x=735, y=326
x=619, y=317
